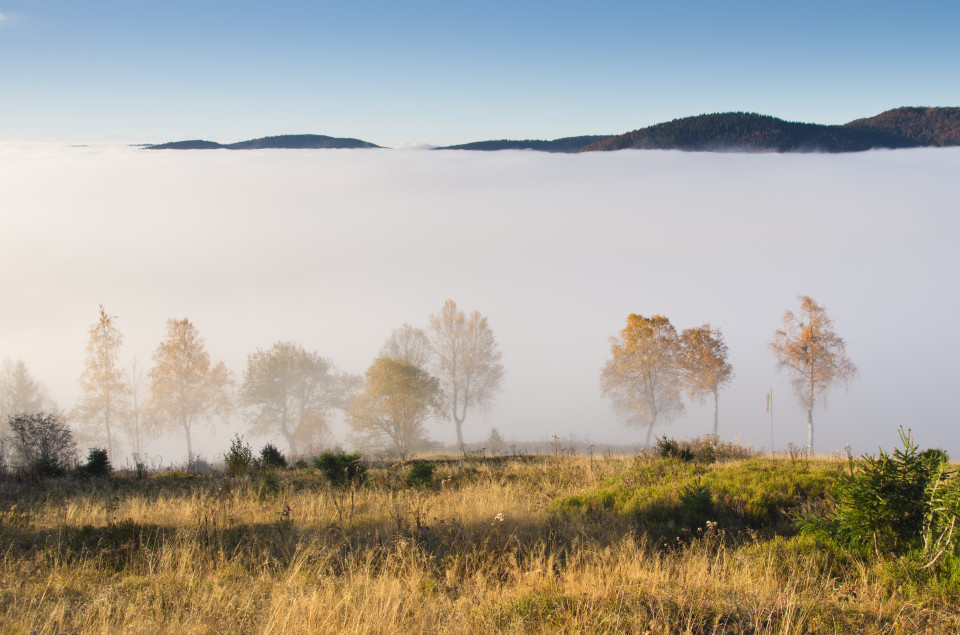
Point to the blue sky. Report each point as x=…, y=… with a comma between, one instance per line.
x=448, y=72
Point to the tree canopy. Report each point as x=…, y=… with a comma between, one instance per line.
x=184, y=388
x=395, y=402
x=467, y=362
x=703, y=360
x=289, y=390
x=102, y=387
x=813, y=355
x=643, y=376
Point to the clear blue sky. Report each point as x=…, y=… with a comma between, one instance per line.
x=450, y=71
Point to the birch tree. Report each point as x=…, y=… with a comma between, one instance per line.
x=396, y=400
x=136, y=419
x=643, y=376
x=703, y=360
x=288, y=390
x=813, y=355
x=466, y=361
x=102, y=387
x=184, y=388
x=410, y=345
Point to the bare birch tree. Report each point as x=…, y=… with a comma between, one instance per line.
x=136, y=419
x=813, y=355
x=184, y=388
x=703, y=360
x=466, y=361
x=410, y=345
x=643, y=376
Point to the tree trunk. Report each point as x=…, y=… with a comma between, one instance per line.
x=106, y=421
x=810, y=418
x=716, y=416
x=649, y=432
x=186, y=430
x=459, y=424
x=291, y=438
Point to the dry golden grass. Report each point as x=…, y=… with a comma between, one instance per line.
x=252, y=555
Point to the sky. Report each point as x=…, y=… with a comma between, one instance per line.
x=335, y=248
x=442, y=72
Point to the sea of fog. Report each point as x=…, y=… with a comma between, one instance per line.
x=335, y=248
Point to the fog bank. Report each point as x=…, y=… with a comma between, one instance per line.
x=334, y=249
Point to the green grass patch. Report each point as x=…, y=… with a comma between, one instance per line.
x=664, y=495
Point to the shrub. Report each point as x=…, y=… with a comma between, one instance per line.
x=239, y=458
x=696, y=501
x=894, y=503
x=98, y=464
x=421, y=474
x=671, y=449
x=271, y=457
x=341, y=469
x=42, y=442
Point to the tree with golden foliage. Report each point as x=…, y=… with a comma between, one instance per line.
x=290, y=390
x=643, y=376
x=703, y=360
x=396, y=400
x=466, y=361
x=184, y=388
x=814, y=356
x=102, y=387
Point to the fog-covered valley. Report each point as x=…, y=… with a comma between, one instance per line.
x=335, y=248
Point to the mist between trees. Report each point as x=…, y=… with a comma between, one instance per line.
x=450, y=370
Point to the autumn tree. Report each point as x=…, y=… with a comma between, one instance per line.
x=289, y=390
x=466, y=361
x=410, y=345
x=813, y=355
x=703, y=360
x=184, y=388
x=643, y=376
x=396, y=400
x=102, y=386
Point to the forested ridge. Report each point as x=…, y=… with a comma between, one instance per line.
x=906, y=127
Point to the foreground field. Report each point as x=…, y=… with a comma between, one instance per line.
x=526, y=544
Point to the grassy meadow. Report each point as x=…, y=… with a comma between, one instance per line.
x=524, y=544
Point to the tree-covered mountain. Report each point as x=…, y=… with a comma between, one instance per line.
x=292, y=141
x=566, y=144
x=751, y=132
x=907, y=127
x=927, y=126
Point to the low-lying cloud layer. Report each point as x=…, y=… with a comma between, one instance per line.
x=336, y=248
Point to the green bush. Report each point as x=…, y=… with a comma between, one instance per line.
x=239, y=458
x=421, y=474
x=98, y=464
x=341, y=469
x=894, y=504
x=671, y=449
x=272, y=458
x=696, y=501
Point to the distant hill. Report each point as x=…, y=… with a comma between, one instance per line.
x=927, y=126
x=291, y=141
x=566, y=144
x=741, y=131
x=907, y=127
